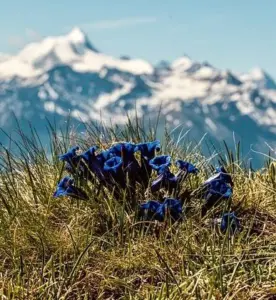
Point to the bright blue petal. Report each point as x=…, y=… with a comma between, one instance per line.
x=157, y=211
x=166, y=180
x=150, y=205
x=160, y=163
x=222, y=175
x=183, y=165
x=65, y=188
x=71, y=154
x=117, y=149
x=113, y=164
x=174, y=206
x=65, y=182
x=90, y=153
x=148, y=149
x=71, y=159
x=220, y=188
x=228, y=193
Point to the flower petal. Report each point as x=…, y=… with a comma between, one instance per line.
x=71, y=154
x=89, y=154
x=153, y=210
x=66, y=188
x=113, y=164
x=160, y=163
x=148, y=149
x=183, y=165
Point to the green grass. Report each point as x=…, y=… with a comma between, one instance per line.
x=69, y=249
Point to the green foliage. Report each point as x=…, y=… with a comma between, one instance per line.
x=70, y=249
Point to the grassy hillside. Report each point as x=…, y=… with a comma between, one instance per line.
x=63, y=248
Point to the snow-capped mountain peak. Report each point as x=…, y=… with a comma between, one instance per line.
x=66, y=73
x=76, y=34
x=183, y=63
x=257, y=73
x=77, y=37
x=259, y=77
x=62, y=49
x=74, y=50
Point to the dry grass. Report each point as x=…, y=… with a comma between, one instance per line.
x=68, y=249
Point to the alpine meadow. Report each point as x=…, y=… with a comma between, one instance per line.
x=130, y=170
x=117, y=214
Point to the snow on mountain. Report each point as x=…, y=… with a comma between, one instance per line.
x=4, y=56
x=74, y=50
x=260, y=78
x=67, y=73
x=182, y=64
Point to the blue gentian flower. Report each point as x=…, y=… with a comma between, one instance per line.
x=215, y=191
x=153, y=210
x=71, y=155
x=66, y=188
x=147, y=151
x=95, y=163
x=130, y=165
x=148, y=209
x=71, y=158
x=173, y=207
x=129, y=161
x=219, y=188
x=114, y=168
x=222, y=175
x=160, y=163
x=229, y=219
x=89, y=154
x=113, y=165
x=104, y=156
x=188, y=167
x=166, y=180
x=124, y=150
x=218, y=185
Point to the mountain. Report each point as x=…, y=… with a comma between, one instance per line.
x=260, y=78
x=67, y=73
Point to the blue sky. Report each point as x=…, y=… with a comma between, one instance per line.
x=236, y=34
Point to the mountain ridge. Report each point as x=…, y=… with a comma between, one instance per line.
x=67, y=73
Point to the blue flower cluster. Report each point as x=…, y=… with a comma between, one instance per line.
x=118, y=169
x=153, y=210
x=115, y=168
x=166, y=179
x=216, y=188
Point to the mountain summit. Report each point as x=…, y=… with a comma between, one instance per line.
x=63, y=74
x=261, y=78
x=73, y=49
x=77, y=36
